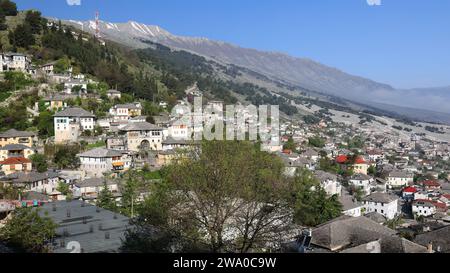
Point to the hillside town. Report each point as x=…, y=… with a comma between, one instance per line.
x=88, y=140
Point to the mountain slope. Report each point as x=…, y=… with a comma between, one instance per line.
x=300, y=72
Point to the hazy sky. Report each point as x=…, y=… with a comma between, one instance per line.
x=405, y=43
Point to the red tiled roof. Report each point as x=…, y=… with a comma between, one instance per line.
x=15, y=160
x=434, y=203
x=446, y=196
x=410, y=190
x=341, y=159
x=288, y=152
x=360, y=160
x=430, y=183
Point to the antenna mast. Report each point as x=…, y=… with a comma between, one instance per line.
x=97, y=25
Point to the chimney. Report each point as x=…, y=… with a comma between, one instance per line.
x=430, y=247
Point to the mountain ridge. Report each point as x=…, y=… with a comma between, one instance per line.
x=300, y=72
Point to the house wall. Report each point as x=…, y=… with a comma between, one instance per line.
x=4, y=154
x=135, y=139
x=96, y=167
x=356, y=212
x=28, y=141
x=423, y=210
x=10, y=169
x=388, y=210
x=399, y=181
x=360, y=168
x=69, y=129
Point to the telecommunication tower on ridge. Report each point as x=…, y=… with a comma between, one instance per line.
x=97, y=25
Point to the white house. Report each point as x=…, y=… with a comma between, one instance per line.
x=90, y=188
x=423, y=208
x=181, y=128
x=70, y=123
x=350, y=206
x=14, y=62
x=382, y=203
x=142, y=136
x=123, y=112
x=398, y=178
x=363, y=182
x=113, y=94
x=45, y=183
x=329, y=182
x=70, y=84
x=98, y=161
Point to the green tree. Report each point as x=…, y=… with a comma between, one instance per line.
x=22, y=36
x=290, y=145
x=29, y=231
x=3, y=25
x=311, y=203
x=8, y=7
x=65, y=190
x=45, y=125
x=228, y=185
x=34, y=20
x=39, y=162
x=66, y=157
x=316, y=142
x=106, y=199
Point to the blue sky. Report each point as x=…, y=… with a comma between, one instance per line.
x=405, y=43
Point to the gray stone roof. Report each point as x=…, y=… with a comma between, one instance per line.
x=113, y=91
x=348, y=202
x=75, y=112
x=15, y=147
x=100, y=153
x=380, y=197
x=127, y=106
x=389, y=244
x=324, y=176
x=400, y=174
x=95, y=182
x=60, y=97
x=96, y=230
x=360, y=176
x=15, y=133
x=439, y=238
x=376, y=217
x=140, y=126
x=23, y=178
x=345, y=231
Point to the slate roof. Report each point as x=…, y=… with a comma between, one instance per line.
x=95, y=182
x=75, y=112
x=376, y=217
x=348, y=202
x=439, y=238
x=14, y=133
x=380, y=197
x=21, y=177
x=100, y=153
x=323, y=176
x=127, y=106
x=360, y=176
x=140, y=126
x=15, y=147
x=400, y=174
x=348, y=231
x=87, y=225
x=389, y=244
